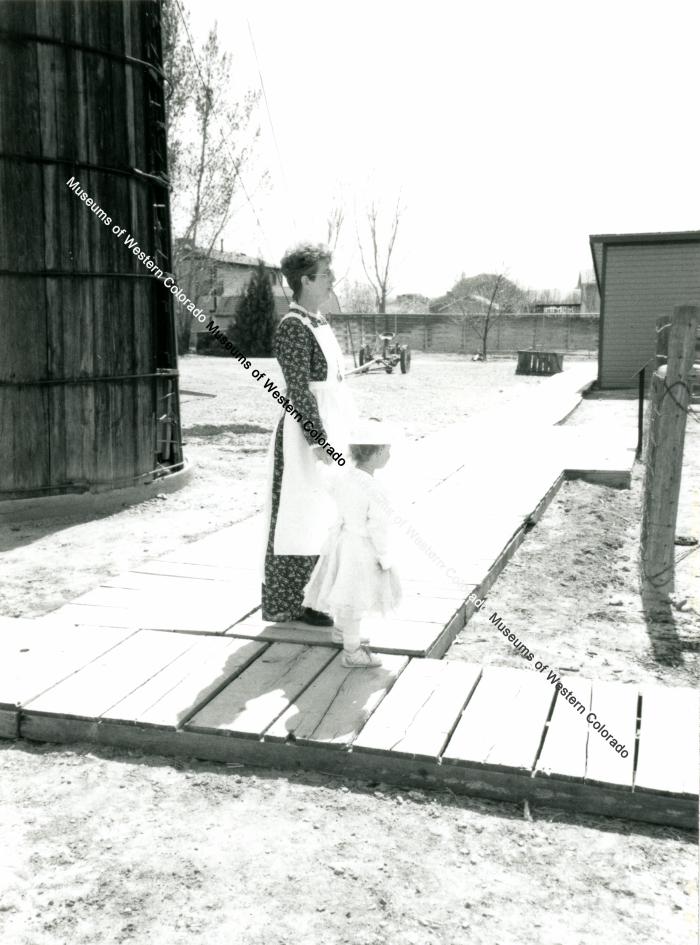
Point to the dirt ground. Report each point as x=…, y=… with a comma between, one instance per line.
x=100, y=846
x=571, y=592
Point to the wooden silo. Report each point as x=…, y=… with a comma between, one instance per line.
x=88, y=364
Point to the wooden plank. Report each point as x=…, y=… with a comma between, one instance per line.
x=409, y=637
x=9, y=723
x=167, y=608
x=32, y=659
x=194, y=617
x=337, y=704
x=238, y=546
x=615, y=705
x=252, y=702
x=563, y=754
x=228, y=541
x=503, y=723
x=421, y=710
x=254, y=627
x=89, y=615
x=668, y=759
x=412, y=637
x=58, y=334
x=121, y=598
x=184, y=570
x=504, y=786
x=8, y=413
x=447, y=590
x=165, y=585
x=100, y=685
x=425, y=609
x=175, y=693
x=230, y=554
x=192, y=591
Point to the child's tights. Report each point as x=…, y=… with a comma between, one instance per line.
x=351, y=635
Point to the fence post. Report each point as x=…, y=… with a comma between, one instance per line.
x=668, y=409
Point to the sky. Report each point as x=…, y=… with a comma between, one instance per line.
x=508, y=131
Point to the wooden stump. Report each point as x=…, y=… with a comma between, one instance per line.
x=543, y=363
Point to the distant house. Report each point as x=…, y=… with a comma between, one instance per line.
x=640, y=276
x=583, y=300
x=222, y=278
x=569, y=305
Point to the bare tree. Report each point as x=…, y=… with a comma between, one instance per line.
x=538, y=299
x=475, y=303
x=357, y=299
x=498, y=283
x=180, y=80
x=334, y=223
x=377, y=252
x=210, y=141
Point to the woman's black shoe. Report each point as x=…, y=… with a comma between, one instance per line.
x=316, y=618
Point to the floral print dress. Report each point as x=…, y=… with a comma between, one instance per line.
x=302, y=361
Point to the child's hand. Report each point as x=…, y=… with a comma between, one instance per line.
x=384, y=562
x=322, y=456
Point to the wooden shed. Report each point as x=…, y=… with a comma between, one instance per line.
x=88, y=370
x=640, y=276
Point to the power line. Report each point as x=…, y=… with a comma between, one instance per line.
x=236, y=163
x=272, y=127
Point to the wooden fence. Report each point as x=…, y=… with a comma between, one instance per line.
x=449, y=334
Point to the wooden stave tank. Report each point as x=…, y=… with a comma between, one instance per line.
x=89, y=394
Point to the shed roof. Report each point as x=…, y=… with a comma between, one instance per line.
x=681, y=236
x=598, y=241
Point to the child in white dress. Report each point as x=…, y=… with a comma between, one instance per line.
x=354, y=575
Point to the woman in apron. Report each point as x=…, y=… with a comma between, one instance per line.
x=299, y=510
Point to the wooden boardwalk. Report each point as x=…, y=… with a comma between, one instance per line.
x=212, y=586
x=494, y=732
x=174, y=657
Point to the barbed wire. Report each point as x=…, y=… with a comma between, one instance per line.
x=668, y=390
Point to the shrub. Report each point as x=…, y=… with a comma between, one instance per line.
x=256, y=321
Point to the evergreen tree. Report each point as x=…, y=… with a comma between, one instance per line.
x=255, y=317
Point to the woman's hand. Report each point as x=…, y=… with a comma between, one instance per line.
x=322, y=455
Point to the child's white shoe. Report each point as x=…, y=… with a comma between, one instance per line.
x=361, y=658
x=337, y=637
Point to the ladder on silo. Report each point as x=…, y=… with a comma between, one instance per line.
x=168, y=446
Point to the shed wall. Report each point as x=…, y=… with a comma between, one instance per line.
x=642, y=282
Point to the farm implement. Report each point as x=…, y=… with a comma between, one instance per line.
x=385, y=355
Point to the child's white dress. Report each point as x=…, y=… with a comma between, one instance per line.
x=348, y=580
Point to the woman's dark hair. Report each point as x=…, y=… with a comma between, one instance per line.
x=303, y=260
x=361, y=452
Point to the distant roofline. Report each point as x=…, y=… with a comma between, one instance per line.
x=225, y=256
x=682, y=236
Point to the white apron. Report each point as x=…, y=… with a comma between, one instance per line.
x=306, y=512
